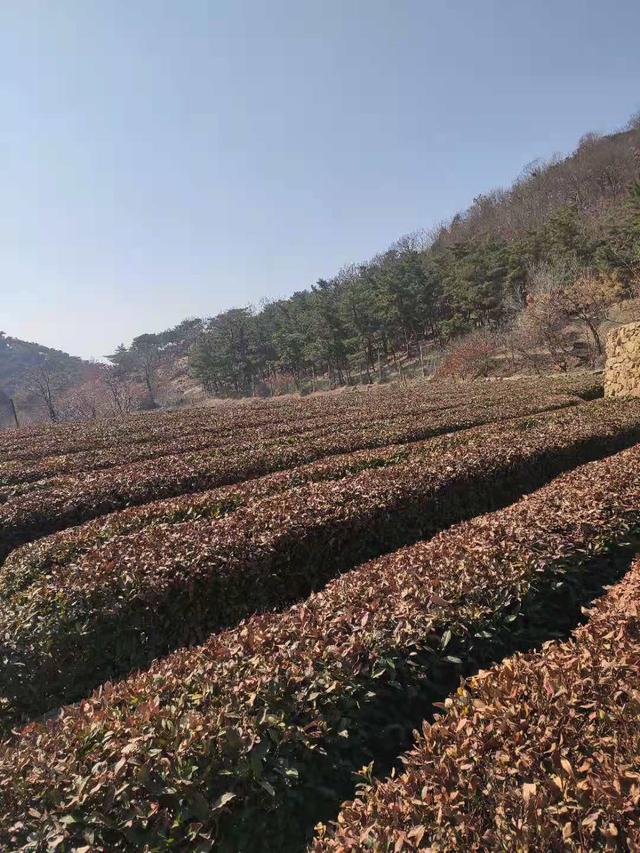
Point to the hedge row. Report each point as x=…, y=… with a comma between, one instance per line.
x=189, y=438
x=241, y=425
x=26, y=563
x=193, y=434
x=540, y=753
x=123, y=604
x=56, y=439
x=42, y=440
x=239, y=741
x=54, y=504
x=43, y=555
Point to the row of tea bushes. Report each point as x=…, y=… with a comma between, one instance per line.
x=206, y=432
x=35, y=509
x=42, y=555
x=540, y=753
x=239, y=741
x=44, y=440
x=121, y=605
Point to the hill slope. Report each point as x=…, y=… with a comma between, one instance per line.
x=566, y=220
x=20, y=364
x=532, y=273
x=18, y=357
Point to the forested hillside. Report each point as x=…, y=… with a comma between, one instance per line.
x=539, y=262
x=19, y=358
x=522, y=281
x=33, y=373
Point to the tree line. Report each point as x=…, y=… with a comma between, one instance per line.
x=557, y=247
x=567, y=227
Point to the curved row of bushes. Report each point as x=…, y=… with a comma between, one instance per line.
x=54, y=439
x=540, y=753
x=37, y=442
x=209, y=432
x=43, y=555
x=239, y=741
x=121, y=605
x=18, y=473
x=42, y=440
x=54, y=504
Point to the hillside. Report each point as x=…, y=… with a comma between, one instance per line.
x=527, y=280
x=532, y=270
x=330, y=542
x=24, y=369
x=18, y=358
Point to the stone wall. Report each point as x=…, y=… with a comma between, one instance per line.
x=622, y=370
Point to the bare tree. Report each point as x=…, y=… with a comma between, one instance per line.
x=45, y=381
x=101, y=390
x=124, y=392
x=542, y=323
x=141, y=361
x=588, y=299
x=634, y=122
x=470, y=357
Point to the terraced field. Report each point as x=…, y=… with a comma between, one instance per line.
x=220, y=625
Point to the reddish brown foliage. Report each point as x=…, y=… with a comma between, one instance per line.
x=45, y=501
x=232, y=740
x=122, y=604
x=470, y=357
x=540, y=753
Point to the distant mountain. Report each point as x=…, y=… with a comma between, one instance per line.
x=21, y=364
x=18, y=358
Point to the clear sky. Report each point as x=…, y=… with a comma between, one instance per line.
x=169, y=158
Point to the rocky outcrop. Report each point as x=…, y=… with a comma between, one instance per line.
x=622, y=371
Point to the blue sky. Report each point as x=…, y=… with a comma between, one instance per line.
x=169, y=158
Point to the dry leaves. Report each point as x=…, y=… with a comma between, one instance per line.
x=263, y=710
x=548, y=758
x=91, y=611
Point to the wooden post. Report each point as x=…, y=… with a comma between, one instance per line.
x=421, y=358
x=15, y=414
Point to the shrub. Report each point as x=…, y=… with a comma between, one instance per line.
x=470, y=357
x=125, y=603
x=238, y=741
x=540, y=753
x=44, y=506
